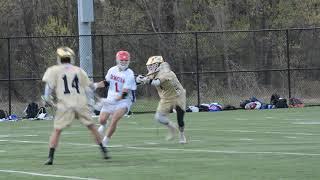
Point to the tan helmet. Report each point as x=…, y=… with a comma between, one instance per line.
x=153, y=64
x=65, y=52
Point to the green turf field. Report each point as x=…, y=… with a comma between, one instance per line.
x=231, y=145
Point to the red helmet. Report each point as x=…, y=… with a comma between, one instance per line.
x=123, y=59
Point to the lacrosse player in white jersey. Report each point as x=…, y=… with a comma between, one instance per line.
x=121, y=86
x=70, y=85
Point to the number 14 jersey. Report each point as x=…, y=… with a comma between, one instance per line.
x=69, y=83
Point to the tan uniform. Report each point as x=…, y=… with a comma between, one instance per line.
x=69, y=83
x=170, y=90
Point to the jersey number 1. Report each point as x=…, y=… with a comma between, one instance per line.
x=74, y=84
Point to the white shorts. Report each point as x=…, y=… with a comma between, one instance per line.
x=114, y=106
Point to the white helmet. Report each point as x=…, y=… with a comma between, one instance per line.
x=65, y=52
x=123, y=59
x=153, y=64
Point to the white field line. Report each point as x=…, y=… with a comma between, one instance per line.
x=294, y=119
x=44, y=175
x=188, y=150
x=311, y=123
x=305, y=134
x=267, y=132
x=226, y=130
x=241, y=119
x=44, y=142
x=222, y=130
x=26, y=135
x=269, y=117
x=290, y=137
x=224, y=152
x=31, y=135
x=151, y=143
x=195, y=140
x=245, y=139
x=236, y=130
x=2, y=151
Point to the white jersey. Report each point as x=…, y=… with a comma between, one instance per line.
x=119, y=80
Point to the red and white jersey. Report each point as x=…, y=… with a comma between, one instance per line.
x=119, y=80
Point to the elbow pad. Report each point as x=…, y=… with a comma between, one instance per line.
x=106, y=83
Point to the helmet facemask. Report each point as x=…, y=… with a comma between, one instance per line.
x=153, y=64
x=153, y=68
x=123, y=60
x=123, y=64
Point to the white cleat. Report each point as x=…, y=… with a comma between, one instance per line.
x=171, y=134
x=105, y=141
x=182, y=139
x=102, y=130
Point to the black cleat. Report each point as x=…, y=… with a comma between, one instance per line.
x=49, y=162
x=105, y=154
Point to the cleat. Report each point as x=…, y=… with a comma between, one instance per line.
x=101, y=131
x=171, y=134
x=49, y=162
x=105, y=154
x=182, y=139
x=104, y=142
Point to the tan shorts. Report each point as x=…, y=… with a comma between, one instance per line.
x=64, y=117
x=165, y=106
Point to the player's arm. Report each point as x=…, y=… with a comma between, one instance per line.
x=47, y=96
x=49, y=79
x=140, y=79
x=130, y=84
x=89, y=87
x=100, y=84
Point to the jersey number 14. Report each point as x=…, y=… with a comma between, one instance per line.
x=74, y=84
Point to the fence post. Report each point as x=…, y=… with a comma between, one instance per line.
x=102, y=56
x=288, y=63
x=9, y=75
x=197, y=70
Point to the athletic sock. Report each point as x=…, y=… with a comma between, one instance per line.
x=51, y=153
x=181, y=129
x=105, y=141
x=102, y=148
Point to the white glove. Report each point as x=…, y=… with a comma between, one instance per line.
x=140, y=79
x=95, y=86
x=155, y=82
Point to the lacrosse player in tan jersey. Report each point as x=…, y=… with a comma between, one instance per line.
x=70, y=85
x=172, y=94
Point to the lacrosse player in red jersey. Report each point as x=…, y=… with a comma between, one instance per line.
x=121, y=94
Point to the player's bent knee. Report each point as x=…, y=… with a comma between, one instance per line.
x=161, y=118
x=103, y=118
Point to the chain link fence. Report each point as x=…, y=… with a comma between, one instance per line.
x=225, y=67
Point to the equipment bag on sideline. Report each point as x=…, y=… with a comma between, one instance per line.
x=32, y=110
x=2, y=114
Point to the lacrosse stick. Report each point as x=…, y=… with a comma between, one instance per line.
x=50, y=106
